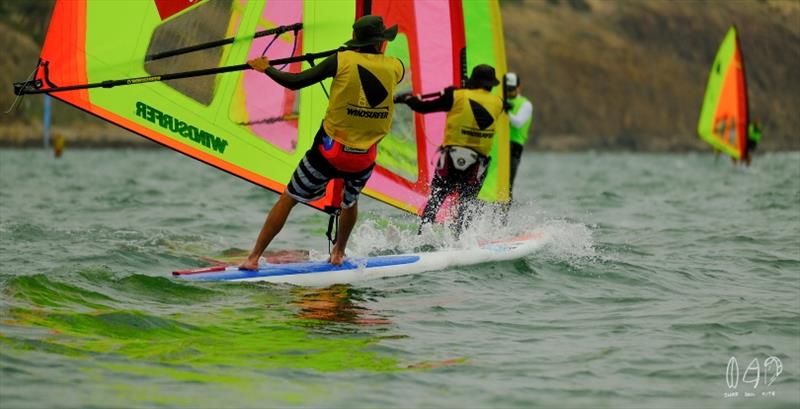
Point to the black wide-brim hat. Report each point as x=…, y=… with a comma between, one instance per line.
x=369, y=30
x=483, y=76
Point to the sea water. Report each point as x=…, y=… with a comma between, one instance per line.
x=668, y=280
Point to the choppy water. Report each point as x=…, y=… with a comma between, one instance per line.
x=661, y=268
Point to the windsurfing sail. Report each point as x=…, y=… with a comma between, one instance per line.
x=439, y=43
x=483, y=31
x=241, y=121
x=724, y=115
x=429, y=47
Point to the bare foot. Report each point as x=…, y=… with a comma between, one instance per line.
x=249, y=264
x=337, y=258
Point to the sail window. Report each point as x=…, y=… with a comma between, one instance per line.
x=267, y=109
x=203, y=23
x=397, y=151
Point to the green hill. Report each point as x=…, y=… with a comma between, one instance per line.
x=23, y=24
x=631, y=74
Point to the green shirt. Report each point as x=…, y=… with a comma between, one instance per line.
x=521, y=116
x=754, y=132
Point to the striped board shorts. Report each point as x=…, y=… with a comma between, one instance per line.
x=311, y=177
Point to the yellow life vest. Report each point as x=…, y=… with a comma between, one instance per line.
x=471, y=121
x=360, y=108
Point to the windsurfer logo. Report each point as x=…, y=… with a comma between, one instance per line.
x=372, y=87
x=484, y=120
x=372, y=94
x=482, y=117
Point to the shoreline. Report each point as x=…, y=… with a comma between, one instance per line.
x=100, y=135
x=146, y=144
x=108, y=136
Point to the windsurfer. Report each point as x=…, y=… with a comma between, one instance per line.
x=359, y=115
x=58, y=144
x=753, y=138
x=520, y=116
x=464, y=155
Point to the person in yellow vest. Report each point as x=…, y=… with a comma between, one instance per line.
x=472, y=113
x=359, y=115
x=58, y=144
x=520, y=117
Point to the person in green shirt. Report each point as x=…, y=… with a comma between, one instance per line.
x=753, y=138
x=520, y=115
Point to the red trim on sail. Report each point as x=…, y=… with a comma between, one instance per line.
x=403, y=14
x=459, y=39
x=166, y=8
x=363, y=8
x=64, y=51
x=731, y=113
x=744, y=111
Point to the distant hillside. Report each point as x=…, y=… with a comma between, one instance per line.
x=23, y=24
x=602, y=74
x=631, y=74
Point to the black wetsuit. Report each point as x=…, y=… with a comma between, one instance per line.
x=447, y=179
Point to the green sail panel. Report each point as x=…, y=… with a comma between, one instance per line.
x=241, y=121
x=483, y=32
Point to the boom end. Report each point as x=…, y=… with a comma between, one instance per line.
x=27, y=87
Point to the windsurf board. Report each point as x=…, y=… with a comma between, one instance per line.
x=322, y=273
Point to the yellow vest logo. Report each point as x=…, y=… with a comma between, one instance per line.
x=482, y=117
x=372, y=94
x=371, y=87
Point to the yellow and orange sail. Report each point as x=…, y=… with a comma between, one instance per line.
x=724, y=115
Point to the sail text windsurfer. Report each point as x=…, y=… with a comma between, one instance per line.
x=359, y=115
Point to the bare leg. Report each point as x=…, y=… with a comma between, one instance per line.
x=272, y=226
x=346, y=222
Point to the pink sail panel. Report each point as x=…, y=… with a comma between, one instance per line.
x=427, y=26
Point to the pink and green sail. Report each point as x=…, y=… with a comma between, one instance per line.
x=483, y=29
x=445, y=39
x=724, y=115
x=242, y=122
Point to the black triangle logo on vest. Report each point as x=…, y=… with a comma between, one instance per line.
x=373, y=89
x=482, y=116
